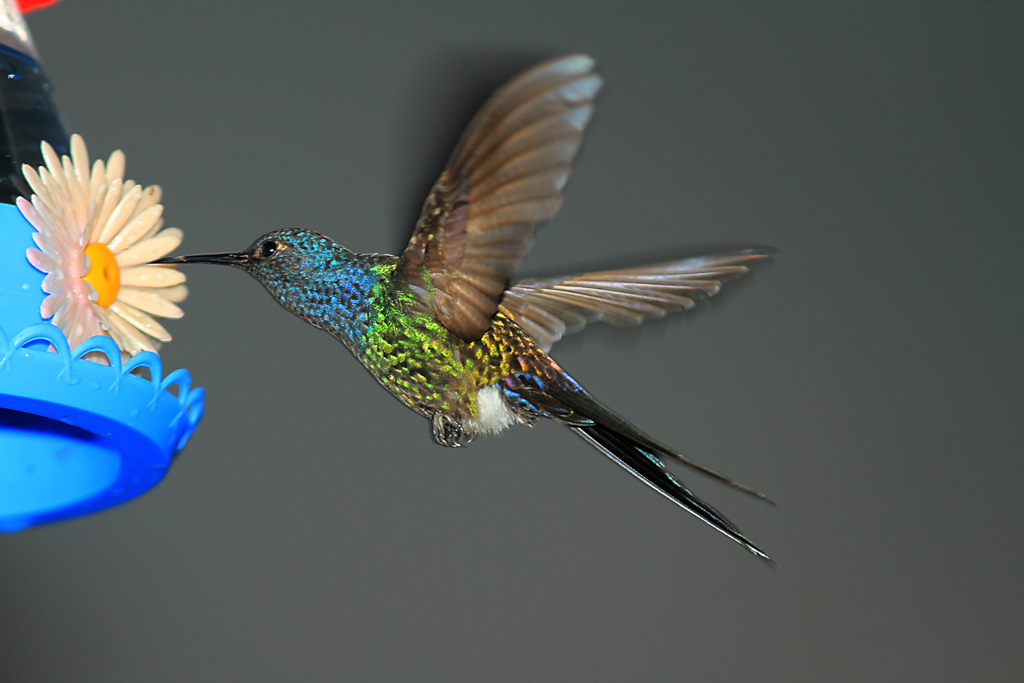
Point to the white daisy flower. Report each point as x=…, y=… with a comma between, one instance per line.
x=97, y=235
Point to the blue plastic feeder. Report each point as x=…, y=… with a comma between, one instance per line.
x=76, y=436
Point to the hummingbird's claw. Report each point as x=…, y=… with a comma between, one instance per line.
x=448, y=432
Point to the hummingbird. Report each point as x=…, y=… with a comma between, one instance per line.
x=443, y=328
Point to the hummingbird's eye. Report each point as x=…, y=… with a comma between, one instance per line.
x=268, y=248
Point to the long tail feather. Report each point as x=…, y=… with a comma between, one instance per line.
x=639, y=454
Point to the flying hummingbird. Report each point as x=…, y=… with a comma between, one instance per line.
x=442, y=328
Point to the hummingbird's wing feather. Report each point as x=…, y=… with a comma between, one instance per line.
x=549, y=309
x=505, y=175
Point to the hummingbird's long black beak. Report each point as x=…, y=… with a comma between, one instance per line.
x=226, y=259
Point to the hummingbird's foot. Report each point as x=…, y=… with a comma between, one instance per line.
x=448, y=432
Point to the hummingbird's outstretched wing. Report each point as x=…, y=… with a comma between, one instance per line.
x=551, y=308
x=506, y=174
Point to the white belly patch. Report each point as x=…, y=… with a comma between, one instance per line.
x=493, y=415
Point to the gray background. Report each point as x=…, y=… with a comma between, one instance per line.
x=868, y=379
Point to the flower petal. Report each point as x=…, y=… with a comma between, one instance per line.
x=50, y=157
x=128, y=186
x=40, y=261
x=141, y=321
x=29, y=211
x=105, y=205
x=33, y=179
x=160, y=244
x=115, y=165
x=78, y=322
x=150, y=197
x=149, y=301
x=177, y=294
x=151, y=276
x=127, y=337
x=83, y=324
x=50, y=304
x=138, y=226
x=55, y=190
x=80, y=162
x=54, y=228
x=52, y=283
x=121, y=214
x=97, y=179
x=90, y=292
x=78, y=204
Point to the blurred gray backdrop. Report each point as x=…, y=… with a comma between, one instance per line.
x=868, y=379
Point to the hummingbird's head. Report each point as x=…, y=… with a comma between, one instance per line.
x=282, y=254
x=283, y=260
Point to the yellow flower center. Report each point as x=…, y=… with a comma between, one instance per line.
x=104, y=274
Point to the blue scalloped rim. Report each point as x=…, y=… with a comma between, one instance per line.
x=77, y=436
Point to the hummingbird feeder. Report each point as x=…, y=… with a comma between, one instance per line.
x=88, y=420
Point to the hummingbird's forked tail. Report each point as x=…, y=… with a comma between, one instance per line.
x=642, y=456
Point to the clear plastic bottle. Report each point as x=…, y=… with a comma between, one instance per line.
x=28, y=114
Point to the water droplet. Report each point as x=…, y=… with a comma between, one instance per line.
x=133, y=412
